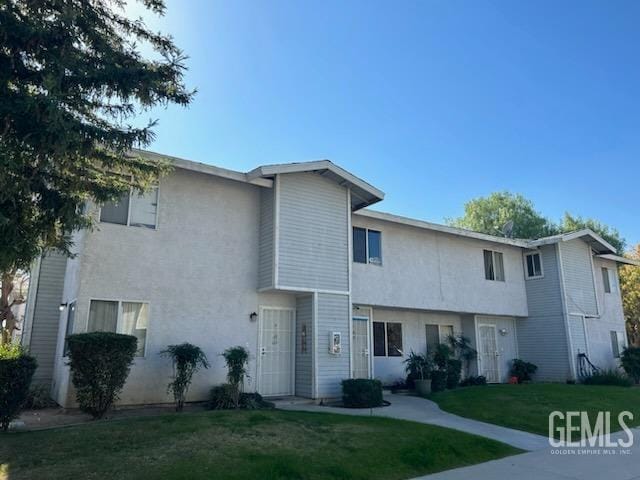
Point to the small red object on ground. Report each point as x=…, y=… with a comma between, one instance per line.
x=513, y=380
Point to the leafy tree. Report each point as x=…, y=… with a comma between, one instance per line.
x=490, y=214
x=71, y=78
x=572, y=223
x=630, y=288
x=13, y=292
x=187, y=359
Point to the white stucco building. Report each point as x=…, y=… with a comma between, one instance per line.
x=288, y=261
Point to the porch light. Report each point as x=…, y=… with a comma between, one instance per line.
x=503, y=331
x=253, y=316
x=62, y=306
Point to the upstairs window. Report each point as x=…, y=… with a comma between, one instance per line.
x=367, y=246
x=534, y=265
x=130, y=318
x=493, y=266
x=606, y=280
x=134, y=209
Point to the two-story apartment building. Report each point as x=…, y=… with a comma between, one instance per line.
x=288, y=261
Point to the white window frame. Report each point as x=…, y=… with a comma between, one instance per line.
x=621, y=342
x=612, y=281
x=493, y=261
x=526, y=266
x=119, y=318
x=366, y=246
x=128, y=224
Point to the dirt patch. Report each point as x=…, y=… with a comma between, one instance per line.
x=61, y=417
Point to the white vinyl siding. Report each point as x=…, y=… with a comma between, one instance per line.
x=266, y=239
x=304, y=343
x=129, y=318
x=313, y=237
x=333, y=315
x=579, y=278
x=493, y=266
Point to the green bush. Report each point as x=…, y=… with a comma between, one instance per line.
x=630, y=360
x=186, y=359
x=361, y=393
x=39, y=398
x=237, y=359
x=522, y=370
x=222, y=397
x=608, y=377
x=16, y=372
x=438, y=380
x=473, y=381
x=100, y=363
x=454, y=371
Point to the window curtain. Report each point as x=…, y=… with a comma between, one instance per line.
x=359, y=245
x=103, y=316
x=499, y=266
x=488, y=265
x=135, y=319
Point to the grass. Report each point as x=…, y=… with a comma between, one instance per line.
x=527, y=407
x=243, y=444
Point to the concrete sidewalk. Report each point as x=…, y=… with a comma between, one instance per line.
x=548, y=464
x=421, y=410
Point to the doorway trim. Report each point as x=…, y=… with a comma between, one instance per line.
x=495, y=336
x=292, y=382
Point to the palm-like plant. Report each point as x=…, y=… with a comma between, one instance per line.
x=187, y=360
x=236, y=359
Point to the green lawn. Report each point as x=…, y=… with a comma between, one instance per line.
x=527, y=407
x=243, y=444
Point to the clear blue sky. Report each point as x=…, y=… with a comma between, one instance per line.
x=434, y=102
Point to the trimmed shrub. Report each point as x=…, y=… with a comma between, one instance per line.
x=222, y=397
x=16, y=372
x=522, y=370
x=630, y=360
x=438, y=380
x=454, y=371
x=100, y=363
x=186, y=360
x=473, y=381
x=608, y=377
x=361, y=393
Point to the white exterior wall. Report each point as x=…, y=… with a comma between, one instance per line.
x=611, y=318
x=391, y=369
x=430, y=270
x=198, y=271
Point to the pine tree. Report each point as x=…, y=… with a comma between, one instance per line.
x=71, y=78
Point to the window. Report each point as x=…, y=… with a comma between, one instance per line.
x=534, y=265
x=493, y=266
x=433, y=338
x=617, y=343
x=71, y=315
x=387, y=339
x=134, y=209
x=130, y=318
x=437, y=334
x=606, y=280
x=367, y=246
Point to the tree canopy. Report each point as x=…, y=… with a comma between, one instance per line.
x=490, y=214
x=71, y=79
x=630, y=289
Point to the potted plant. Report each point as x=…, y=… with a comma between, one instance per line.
x=419, y=367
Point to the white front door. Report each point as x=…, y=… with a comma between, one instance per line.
x=277, y=351
x=488, y=354
x=360, y=331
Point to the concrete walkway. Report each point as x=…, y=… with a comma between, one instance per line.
x=557, y=464
x=421, y=410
